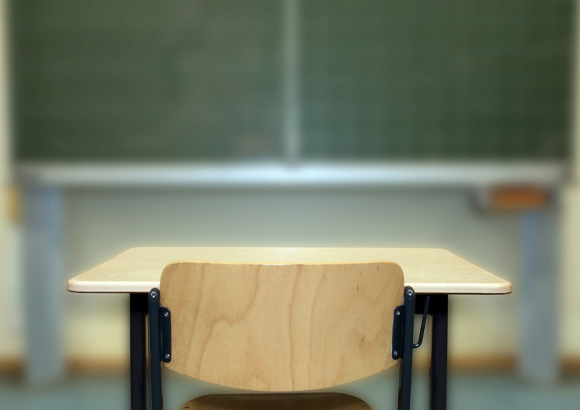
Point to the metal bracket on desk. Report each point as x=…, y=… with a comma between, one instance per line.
x=399, y=329
x=422, y=331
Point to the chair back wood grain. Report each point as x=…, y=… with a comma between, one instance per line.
x=272, y=327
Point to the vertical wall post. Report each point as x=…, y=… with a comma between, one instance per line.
x=539, y=295
x=44, y=285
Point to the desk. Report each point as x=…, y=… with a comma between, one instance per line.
x=434, y=272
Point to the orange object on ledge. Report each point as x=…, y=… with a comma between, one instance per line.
x=518, y=198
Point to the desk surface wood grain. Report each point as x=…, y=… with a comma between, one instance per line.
x=138, y=270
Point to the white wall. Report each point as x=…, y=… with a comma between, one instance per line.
x=10, y=344
x=570, y=340
x=100, y=224
x=570, y=335
x=3, y=130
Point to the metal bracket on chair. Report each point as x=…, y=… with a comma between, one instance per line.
x=159, y=345
x=155, y=349
x=398, y=332
x=407, y=312
x=165, y=325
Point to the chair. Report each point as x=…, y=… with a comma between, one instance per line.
x=280, y=329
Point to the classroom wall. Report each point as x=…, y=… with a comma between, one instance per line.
x=3, y=135
x=103, y=223
x=10, y=342
x=570, y=335
x=100, y=224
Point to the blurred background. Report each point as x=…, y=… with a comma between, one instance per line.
x=370, y=123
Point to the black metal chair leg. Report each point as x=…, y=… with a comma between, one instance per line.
x=137, y=352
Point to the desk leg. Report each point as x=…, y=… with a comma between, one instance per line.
x=138, y=352
x=438, y=371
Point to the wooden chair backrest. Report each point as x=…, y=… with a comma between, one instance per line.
x=274, y=327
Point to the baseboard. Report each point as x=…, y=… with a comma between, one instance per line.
x=76, y=365
x=467, y=363
x=10, y=365
x=488, y=363
x=570, y=364
x=96, y=365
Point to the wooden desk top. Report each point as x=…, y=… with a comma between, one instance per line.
x=138, y=270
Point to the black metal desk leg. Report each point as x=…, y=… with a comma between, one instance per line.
x=138, y=352
x=438, y=372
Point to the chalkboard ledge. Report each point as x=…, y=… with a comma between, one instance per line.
x=339, y=174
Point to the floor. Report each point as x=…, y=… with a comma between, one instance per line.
x=466, y=391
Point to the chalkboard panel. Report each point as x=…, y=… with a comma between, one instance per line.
x=437, y=79
x=147, y=79
x=155, y=80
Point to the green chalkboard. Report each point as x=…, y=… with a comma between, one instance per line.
x=438, y=78
x=148, y=80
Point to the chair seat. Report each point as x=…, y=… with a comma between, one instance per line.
x=293, y=401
